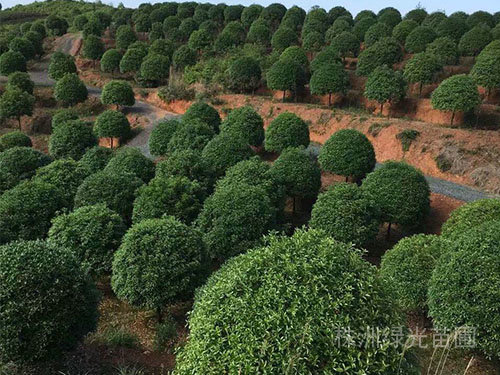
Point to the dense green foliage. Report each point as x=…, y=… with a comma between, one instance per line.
x=161, y=135
x=60, y=65
x=110, y=61
x=22, y=81
x=422, y=68
x=193, y=134
x=329, y=79
x=14, y=139
x=286, y=130
x=419, y=38
x=71, y=140
x=119, y=93
x=272, y=291
x=12, y=61
x=348, y=153
x=70, y=90
x=95, y=159
x=130, y=160
x=246, y=123
x=386, y=51
x=244, y=75
x=385, y=85
x=40, y=325
x=203, y=112
x=111, y=124
x=16, y=103
x=93, y=47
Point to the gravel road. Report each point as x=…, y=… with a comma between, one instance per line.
x=40, y=77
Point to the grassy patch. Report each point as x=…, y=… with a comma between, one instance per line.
x=406, y=137
x=377, y=127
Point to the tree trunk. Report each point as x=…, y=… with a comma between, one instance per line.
x=420, y=90
x=159, y=315
x=329, y=99
x=382, y=109
x=293, y=209
x=452, y=117
x=346, y=178
x=19, y=122
x=111, y=141
x=388, y=235
x=284, y=94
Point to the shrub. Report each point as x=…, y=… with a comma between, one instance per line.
x=32, y=329
x=70, y=90
x=246, y=123
x=344, y=213
x=56, y=26
x=419, y=38
x=119, y=93
x=234, y=219
x=23, y=46
x=22, y=81
x=92, y=28
x=464, y=288
x=308, y=341
x=385, y=85
x=347, y=153
x=183, y=56
x=470, y=215
x=111, y=124
x=286, y=130
x=421, y=69
x=125, y=36
x=62, y=116
x=16, y=103
x=60, y=65
x=244, y=75
x=406, y=137
x=71, y=140
x=403, y=29
x=169, y=196
x=39, y=27
x=193, y=135
x=66, y=175
x=298, y=173
x=14, y=139
x=19, y=163
x=408, y=268
x=329, y=79
x=160, y=261
x=384, y=52
x=132, y=60
x=130, y=160
x=284, y=37
x=203, y=112
x=444, y=49
x=92, y=234
x=26, y=210
x=93, y=48
x=12, y=61
x=457, y=93
x=401, y=192
x=161, y=135
x=376, y=32
x=474, y=40
x=95, y=159
x=36, y=40
x=116, y=191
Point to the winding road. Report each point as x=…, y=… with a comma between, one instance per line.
x=39, y=75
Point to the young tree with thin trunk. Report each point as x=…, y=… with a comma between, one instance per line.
x=16, y=103
x=329, y=79
x=385, y=85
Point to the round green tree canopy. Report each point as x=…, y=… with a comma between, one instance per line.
x=346, y=214
x=95, y=159
x=14, y=139
x=204, y=112
x=348, y=153
x=193, y=134
x=70, y=90
x=34, y=330
x=408, y=267
x=62, y=116
x=130, y=160
x=111, y=124
x=12, y=61
x=292, y=312
x=245, y=122
x=457, y=93
x=160, y=261
x=161, y=135
x=118, y=93
x=22, y=81
x=60, y=65
x=286, y=130
x=71, y=140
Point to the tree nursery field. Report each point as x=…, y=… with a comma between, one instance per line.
x=195, y=189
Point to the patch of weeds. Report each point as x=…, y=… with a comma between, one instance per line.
x=120, y=338
x=129, y=370
x=165, y=334
x=377, y=127
x=176, y=90
x=143, y=93
x=406, y=137
x=443, y=163
x=271, y=112
x=362, y=119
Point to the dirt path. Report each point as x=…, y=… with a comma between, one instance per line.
x=39, y=75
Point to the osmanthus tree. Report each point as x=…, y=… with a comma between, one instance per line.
x=408, y=267
x=362, y=25
x=161, y=135
x=27, y=209
x=445, y=49
x=418, y=15
x=19, y=163
x=60, y=65
x=457, y=93
x=313, y=42
x=132, y=60
x=155, y=69
x=66, y=174
x=386, y=51
x=474, y=40
x=401, y=193
x=244, y=75
x=32, y=329
x=246, y=123
x=200, y=40
x=250, y=14
x=162, y=47
x=434, y=19
x=259, y=33
x=131, y=161
x=93, y=27
x=111, y=124
x=125, y=36
x=22, y=81
x=453, y=28
x=193, y=135
x=110, y=61
x=464, y=288
x=71, y=140
x=39, y=27
x=470, y=215
x=298, y=173
x=348, y=153
x=14, y=139
x=385, y=85
x=401, y=31
x=347, y=44
x=118, y=93
x=15, y=103
x=376, y=32
x=12, y=61
x=286, y=130
x=70, y=90
x=346, y=214
x=183, y=56
x=486, y=70
x=329, y=79
x=422, y=69
x=286, y=75
x=234, y=219
x=169, y=196
x=95, y=159
x=203, y=112
x=23, y=46
x=283, y=38
x=160, y=261
x=335, y=273
x=56, y=26
x=93, y=48
x=419, y=38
